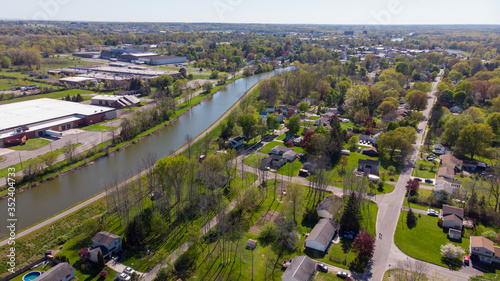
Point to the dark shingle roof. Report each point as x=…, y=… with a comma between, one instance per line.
x=323, y=231
x=447, y=209
x=301, y=268
x=105, y=237
x=57, y=272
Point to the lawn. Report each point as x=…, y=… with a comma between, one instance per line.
x=321, y=276
x=423, y=242
x=267, y=147
x=253, y=160
x=7, y=84
x=393, y=275
x=290, y=169
x=98, y=128
x=422, y=169
x=313, y=117
x=31, y=144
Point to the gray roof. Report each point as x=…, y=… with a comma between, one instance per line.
x=301, y=268
x=57, y=272
x=447, y=209
x=105, y=237
x=323, y=231
x=281, y=149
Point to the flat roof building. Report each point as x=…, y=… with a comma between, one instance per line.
x=32, y=118
x=115, y=101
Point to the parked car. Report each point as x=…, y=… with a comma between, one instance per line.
x=432, y=212
x=128, y=270
x=123, y=276
x=428, y=181
x=359, y=149
x=343, y=274
x=466, y=260
x=418, y=179
x=349, y=234
x=321, y=267
x=431, y=158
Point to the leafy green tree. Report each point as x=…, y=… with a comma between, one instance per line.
x=335, y=141
x=475, y=139
x=304, y=106
x=294, y=124
x=403, y=68
x=267, y=234
x=273, y=122
x=452, y=127
x=207, y=86
x=417, y=100
x=411, y=219
x=100, y=260
x=353, y=141
x=397, y=142
x=493, y=121
x=134, y=233
x=247, y=122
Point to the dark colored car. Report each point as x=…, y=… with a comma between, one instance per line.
x=322, y=267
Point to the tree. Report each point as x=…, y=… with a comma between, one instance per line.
x=273, y=122
x=493, y=121
x=293, y=197
x=207, y=86
x=417, y=100
x=304, y=106
x=386, y=107
x=452, y=127
x=268, y=233
x=451, y=251
x=294, y=124
x=351, y=216
x=459, y=97
x=364, y=246
x=335, y=141
x=475, y=139
x=353, y=143
x=397, y=142
x=490, y=234
x=412, y=186
x=69, y=151
x=84, y=254
x=287, y=236
x=247, y=122
x=49, y=158
x=100, y=260
x=411, y=219
x=412, y=270
x=134, y=233
x=403, y=68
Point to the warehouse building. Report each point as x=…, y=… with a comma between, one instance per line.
x=78, y=81
x=159, y=60
x=31, y=119
x=115, y=101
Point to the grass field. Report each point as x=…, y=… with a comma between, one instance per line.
x=98, y=128
x=423, y=242
x=31, y=144
x=7, y=84
x=320, y=276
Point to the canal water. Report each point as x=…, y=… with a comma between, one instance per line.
x=54, y=196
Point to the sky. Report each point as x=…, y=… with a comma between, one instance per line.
x=363, y=12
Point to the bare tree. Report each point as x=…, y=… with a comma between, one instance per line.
x=148, y=163
x=69, y=151
x=411, y=270
x=188, y=140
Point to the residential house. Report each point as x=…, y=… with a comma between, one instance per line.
x=322, y=121
x=363, y=137
x=329, y=207
x=61, y=272
x=454, y=234
x=453, y=217
x=451, y=161
x=470, y=165
x=446, y=172
x=279, y=150
x=301, y=268
x=310, y=167
x=328, y=115
x=445, y=187
x=484, y=249
x=236, y=142
x=106, y=243
x=456, y=109
x=281, y=117
x=290, y=155
x=297, y=141
x=439, y=149
x=375, y=137
x=272, y=162
x=270, y=109
x=322, y=234
x=367, y=167
x=263, y=115
x=372, y=152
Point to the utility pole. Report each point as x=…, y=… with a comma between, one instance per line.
x=20, y=161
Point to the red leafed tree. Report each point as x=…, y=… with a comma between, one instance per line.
x=289, y=144
x=306, y=142
x=84, y=254
x=364, y=245
x=412, y=186
x=103, y=274
x=369, y=123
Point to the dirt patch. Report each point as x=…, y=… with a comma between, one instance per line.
x=269, y=216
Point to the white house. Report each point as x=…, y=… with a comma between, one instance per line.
x=454, y=234
x=302, y=268
x=453, y=217
x=484, y=249
x=106, y=243
x=61, y=272
x=290, y=156
x=322, y=234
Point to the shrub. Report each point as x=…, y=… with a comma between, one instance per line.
x=451, y=251
x=391, y=170
x=391, y=178
x=267, y=234
x=103, y=274
x=490, y=234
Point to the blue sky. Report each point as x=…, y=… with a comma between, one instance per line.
x=260, y=11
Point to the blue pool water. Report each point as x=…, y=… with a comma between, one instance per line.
x=31, y=276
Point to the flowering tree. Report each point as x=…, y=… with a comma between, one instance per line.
x=363, y=245
x=451, y=251
x=412, y=186
x=84, y=254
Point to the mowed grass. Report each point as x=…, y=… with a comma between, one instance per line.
x=267, y=148
x=253, y=160
x=321, y=276
x=31, y=144
x=424, y=241
x=8, y=84
x=53, y=95
x=98, y=128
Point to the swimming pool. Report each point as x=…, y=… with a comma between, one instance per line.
x=31, y=276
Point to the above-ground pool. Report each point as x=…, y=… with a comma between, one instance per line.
x=31, y=276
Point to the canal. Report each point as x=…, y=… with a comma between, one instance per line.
x=52, y=197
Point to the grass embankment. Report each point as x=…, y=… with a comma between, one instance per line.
x=31, y=144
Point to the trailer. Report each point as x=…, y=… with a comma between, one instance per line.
x=53, y=133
